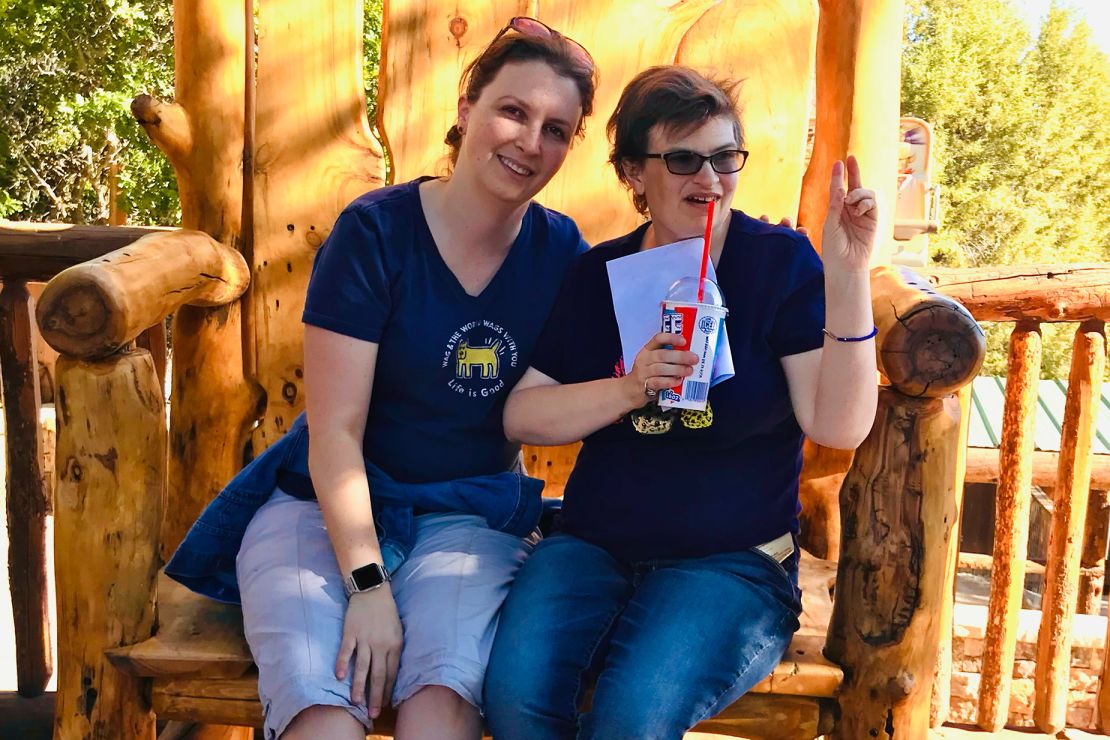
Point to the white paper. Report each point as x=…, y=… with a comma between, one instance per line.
x=639, y=283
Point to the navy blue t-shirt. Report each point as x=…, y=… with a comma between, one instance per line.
x=679, y=484
x=446, y=360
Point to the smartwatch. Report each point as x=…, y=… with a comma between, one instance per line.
x=366, y=578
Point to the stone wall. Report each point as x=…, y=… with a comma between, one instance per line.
x=1088, y=639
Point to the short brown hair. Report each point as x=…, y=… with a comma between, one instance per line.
x=553, y=50
x=674, y=97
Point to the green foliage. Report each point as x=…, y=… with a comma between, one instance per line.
x=1019, y=146
x=68, y=71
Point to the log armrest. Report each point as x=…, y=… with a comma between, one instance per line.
x=93, y=309
x=929, y=345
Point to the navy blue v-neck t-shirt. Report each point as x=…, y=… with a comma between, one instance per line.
x=690, y=484
x=446, y=360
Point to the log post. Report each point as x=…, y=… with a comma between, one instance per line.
x=111, y=473
x=202, y=135
x=942, y=682
x=859, y=46
x=898, y=506
x=1065, y=542
x=1092, y=573
x=1011, y=525
x=28, y=491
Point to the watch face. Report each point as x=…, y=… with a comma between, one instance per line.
x=368, y=577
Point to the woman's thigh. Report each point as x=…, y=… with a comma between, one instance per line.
x=695, y=636
x=449, y=594
x=293, y=609
x=556, y=619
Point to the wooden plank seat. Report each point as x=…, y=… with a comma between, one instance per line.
x=203, y=671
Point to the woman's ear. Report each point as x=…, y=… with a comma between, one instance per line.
x=464, y=112
x=633, y=174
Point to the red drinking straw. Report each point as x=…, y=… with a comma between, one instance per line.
x=705, y=253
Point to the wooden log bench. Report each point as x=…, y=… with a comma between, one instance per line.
x=201, y=667
x=898, y=506
x=269, y=139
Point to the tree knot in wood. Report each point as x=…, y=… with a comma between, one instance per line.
x=458, y=27
x=108, y=459
x=289, y=392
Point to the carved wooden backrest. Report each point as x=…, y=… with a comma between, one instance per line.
x=313, y=152
x=310, y=151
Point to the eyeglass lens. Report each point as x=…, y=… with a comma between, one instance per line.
x=687, y=163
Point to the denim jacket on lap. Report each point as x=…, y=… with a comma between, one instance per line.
x=205, y=561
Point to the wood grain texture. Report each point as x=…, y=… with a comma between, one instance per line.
x=1011, y=525
x=426, y=45
x=196, y=636
x=942, y=682
x=313, y=154
x=982, y=467
x=1065, y=541
x=28, y=490
x=858, y=98
x=586, y=188
x=898, y=508
x=111, y=486
x=1093, y=562
x=235, y=701
x=92, y=309
x=1033, y=292
x=39, y=251
x=769, y=45
x=928, y=344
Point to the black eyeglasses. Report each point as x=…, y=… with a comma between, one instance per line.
x=526, y=26
x=689, y=163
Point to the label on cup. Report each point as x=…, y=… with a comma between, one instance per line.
x=699, y=323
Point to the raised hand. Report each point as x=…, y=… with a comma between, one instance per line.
x=851, y=222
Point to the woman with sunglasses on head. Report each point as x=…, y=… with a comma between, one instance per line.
x=372, y=556
x=672, y=577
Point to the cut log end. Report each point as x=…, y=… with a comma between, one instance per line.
x=75, y=320
x=933, y=352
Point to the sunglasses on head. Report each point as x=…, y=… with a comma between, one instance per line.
x=526, y=26
x=689, y=163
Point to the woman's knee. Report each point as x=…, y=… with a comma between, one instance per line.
x=319, y=721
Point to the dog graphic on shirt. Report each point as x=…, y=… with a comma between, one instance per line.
x=486, y=359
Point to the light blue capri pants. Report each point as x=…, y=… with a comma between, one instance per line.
x=448, y=593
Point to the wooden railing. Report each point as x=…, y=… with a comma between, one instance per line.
x=33, y=253
x=1027, y=297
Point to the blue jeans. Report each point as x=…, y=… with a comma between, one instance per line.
x=671, y=642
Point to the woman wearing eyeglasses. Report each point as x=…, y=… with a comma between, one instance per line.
x=672, y=577
x=372, y=556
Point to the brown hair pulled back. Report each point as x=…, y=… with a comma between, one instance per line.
x=554, y=50
x=675, y=97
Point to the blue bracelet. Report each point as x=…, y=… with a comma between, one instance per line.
x=870, y=335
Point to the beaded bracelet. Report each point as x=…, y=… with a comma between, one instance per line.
x=869, y=335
